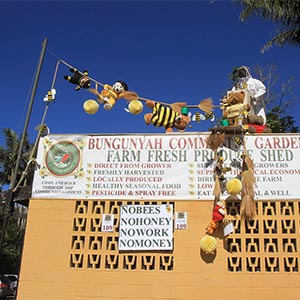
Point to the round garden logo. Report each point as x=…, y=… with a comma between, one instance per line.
x=62, y=158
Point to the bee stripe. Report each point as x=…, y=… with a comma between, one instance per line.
x=163, y=116
x=197, y=117
x=43, y=128
x=209, y=115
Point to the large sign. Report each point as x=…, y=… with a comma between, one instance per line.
x=146, y=227
x=168, y=166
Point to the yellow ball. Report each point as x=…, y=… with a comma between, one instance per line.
x=90, y=106
x=234, y=186
x=135, y=107
x=208, y=244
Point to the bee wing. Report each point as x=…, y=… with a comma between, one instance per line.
x=213, y=118
x=202, y=117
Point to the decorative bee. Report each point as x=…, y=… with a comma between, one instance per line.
x=237, y=140
x=220, y=170
x=224, y=103
x=166, y=116
x=197, y=117
x=221, y=173
x=210, y=116
x=43, y=129
x=50, y=95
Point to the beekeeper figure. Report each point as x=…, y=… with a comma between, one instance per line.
x=255, y=87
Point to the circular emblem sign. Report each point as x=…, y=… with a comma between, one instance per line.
x=62, y=158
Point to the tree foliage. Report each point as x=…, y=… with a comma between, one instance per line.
x=10, y=230
x=9, y=154
x=286, y=13
x=13, y=243
x=280, y=122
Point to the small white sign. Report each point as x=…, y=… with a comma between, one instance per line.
x=228, y=229
x=181, y=220
x=107, y=224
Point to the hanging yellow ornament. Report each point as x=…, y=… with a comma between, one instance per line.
x=135, y=107
x=90, y=106
x=208, y=244
x=234, y=186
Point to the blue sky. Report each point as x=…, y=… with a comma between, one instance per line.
x=167, y=51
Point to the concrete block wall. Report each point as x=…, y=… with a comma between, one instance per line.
x=268, y=271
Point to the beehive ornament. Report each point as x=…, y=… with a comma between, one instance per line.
x=234, y=186
x=135, y=107
x=208, y=244
x=90, y=106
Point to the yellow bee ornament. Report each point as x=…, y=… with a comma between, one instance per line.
x=237, y=140
x=197, y=117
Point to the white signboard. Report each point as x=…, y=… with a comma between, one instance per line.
x=167, y=166
x=146, y=227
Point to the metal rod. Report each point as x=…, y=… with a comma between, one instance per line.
x=91, y=79
x=10, y=201
x=33, y=92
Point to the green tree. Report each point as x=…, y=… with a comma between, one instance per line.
x=286, y=13
x=13, y=244
x=11, y=232
x=280, y=122
x=9, y=154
